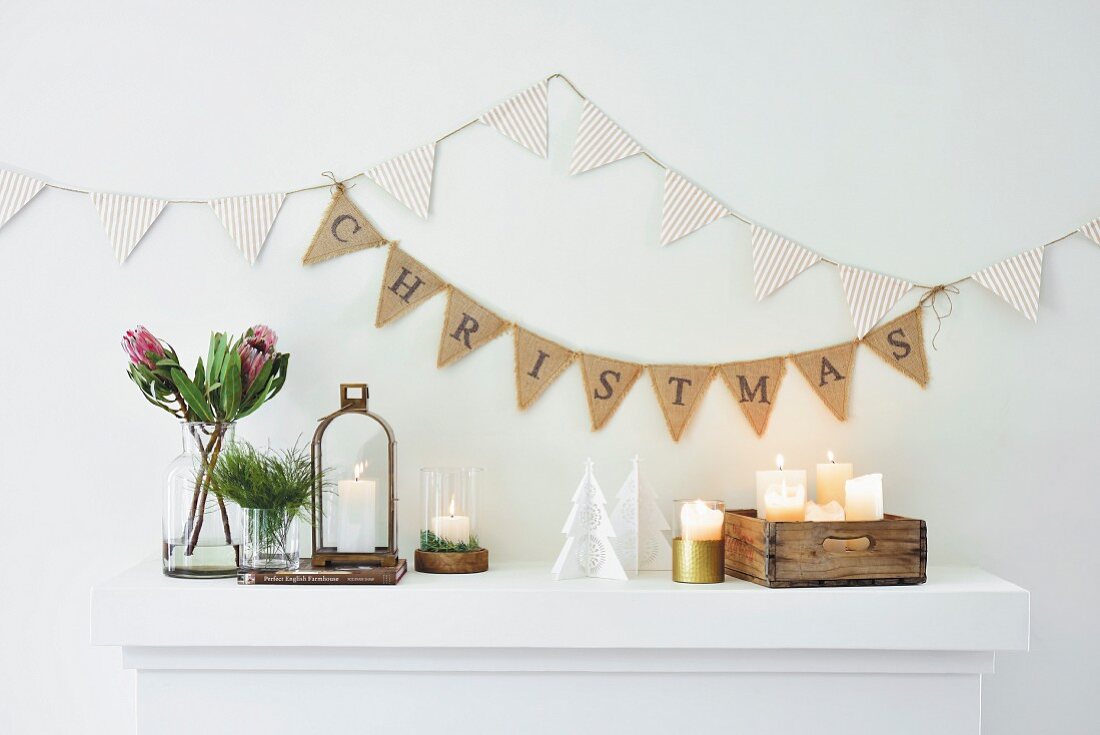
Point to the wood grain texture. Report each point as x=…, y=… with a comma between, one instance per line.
x=452, y=562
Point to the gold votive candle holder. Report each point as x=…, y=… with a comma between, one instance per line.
x=698, y=553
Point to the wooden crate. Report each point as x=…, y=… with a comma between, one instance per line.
x=829, y=554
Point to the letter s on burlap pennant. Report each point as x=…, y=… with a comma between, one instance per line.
x=679, y=389
x=344, y=229
x=755, y=385
x=467, y=325
x=539, y=362
x=606, y=383
x=901, y=343
x=829, y=371
x=406, y=284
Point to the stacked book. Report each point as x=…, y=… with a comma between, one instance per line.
x=307, y=574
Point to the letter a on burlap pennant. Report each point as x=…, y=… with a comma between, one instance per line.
x=539, y=362
x=466, y=326
x=679, y=390
x=755, y=385
x=406, y=284
x=901, y=343
x=606, y=383
x=830, y=373
x=344, y=229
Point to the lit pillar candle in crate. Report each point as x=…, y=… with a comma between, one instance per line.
x=786, y=502
x=452, y=528
x=863, y=498
x=356, y=510
x=831, y=477
x=766, y=479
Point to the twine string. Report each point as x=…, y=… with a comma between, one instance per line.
x=930, y=300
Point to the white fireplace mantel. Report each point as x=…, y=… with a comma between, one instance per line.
x=513, y=651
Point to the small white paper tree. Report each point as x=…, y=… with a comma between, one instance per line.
x=639, y=526
x=588, y=551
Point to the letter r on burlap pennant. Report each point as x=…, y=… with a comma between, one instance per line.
x=755, y=385
x=467, y=325
x=680, y=389
x=901, y=343
x=606, y=383
x=829, y=372
x=406, y=284
x=539, y=362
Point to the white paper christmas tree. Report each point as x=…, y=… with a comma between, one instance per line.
x=587, y=551
x=639, y=526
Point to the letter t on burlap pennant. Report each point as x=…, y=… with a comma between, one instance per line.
x=406, y=284
x=755, y=385
x=829, y=372
x=679, y=389
x=901, y=343
x=344, y=229
x=539, y=362
x=606, y=383
x=467, y=326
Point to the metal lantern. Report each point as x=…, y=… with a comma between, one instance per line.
x=357, y=524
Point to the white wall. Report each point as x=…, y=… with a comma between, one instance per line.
x=924, y=140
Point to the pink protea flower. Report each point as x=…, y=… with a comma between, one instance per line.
x=256, y=350
x=262, y=338
x=138, y=343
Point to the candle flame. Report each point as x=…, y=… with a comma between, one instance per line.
x=452, y=512
x=359, y=467
x=779, y=461
x=830, y=455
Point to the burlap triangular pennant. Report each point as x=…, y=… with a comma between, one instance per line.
x=755, y=385
x=344, y=229
x=829, y=371
x=606, y=383
x=539, y=362
x=901, y=343
x=679, y=389
x=406, y=284
x=467, y=325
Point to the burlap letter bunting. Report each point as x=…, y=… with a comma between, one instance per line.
x=829, y=371
x=539, y=362
x=467, y=326
x=679, y=389
x=406, y=284
x=755, y=385
x=901, y=343
x=606, y=383
x=344, y=229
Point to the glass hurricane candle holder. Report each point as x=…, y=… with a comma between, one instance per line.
x=697, y=546
x=448, y=526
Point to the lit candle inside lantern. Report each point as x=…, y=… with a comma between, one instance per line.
x=699, y=522
x=863, y=498
x=831, y=477
x=766, y=479
x=357, y=513
x=786, y=502
x=452, y=528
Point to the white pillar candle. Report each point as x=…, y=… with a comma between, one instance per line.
x=766, y=479
x=831, y=511
x=451, y=528
x=356, y=511
x=786, y=502
x=699, y=522
x=863, y=498
x=831, y=477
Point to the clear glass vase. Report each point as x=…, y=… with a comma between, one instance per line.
x=199, y=527
x=269, y=540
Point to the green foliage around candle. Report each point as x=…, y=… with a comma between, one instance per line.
x=431, y=542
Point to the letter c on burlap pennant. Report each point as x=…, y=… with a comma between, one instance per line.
x=539, y=362
x=901, y=343
x=467, y=325
x=679, y=390
x=829, y=372
x=606, y=383
x=755, y=385
x=344, y=229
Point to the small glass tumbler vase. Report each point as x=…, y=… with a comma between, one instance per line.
x=697, y=544
x=269, y=540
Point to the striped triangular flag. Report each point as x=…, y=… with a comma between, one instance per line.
x=126, y=219
x=408, y=178
x=1091, y=230
x=15, y=191
x=524, y=119
x=776, y=260
x=870, y=296
x=599, y=141
x=1016, y=280
x=686, y=208
x=248, y=219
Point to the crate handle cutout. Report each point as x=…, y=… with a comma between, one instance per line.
x=845, y=545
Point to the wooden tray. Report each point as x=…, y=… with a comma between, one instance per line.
x=830, y=554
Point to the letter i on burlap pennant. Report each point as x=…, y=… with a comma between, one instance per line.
x=829, y=372
x=680, y=389
x=539, y=362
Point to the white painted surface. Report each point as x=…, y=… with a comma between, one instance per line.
x=925, y=140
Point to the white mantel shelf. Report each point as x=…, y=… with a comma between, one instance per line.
x=922, y=644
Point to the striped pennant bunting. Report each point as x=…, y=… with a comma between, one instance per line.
x=1091, y=230
x=126, y=219
x=15, y=191
x=599, y=141
x=776, y=260
x=408, y=178
x=1016, y=280
x=870, y=296
x=686, y=208
x=524, y=118
x=248, y=219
